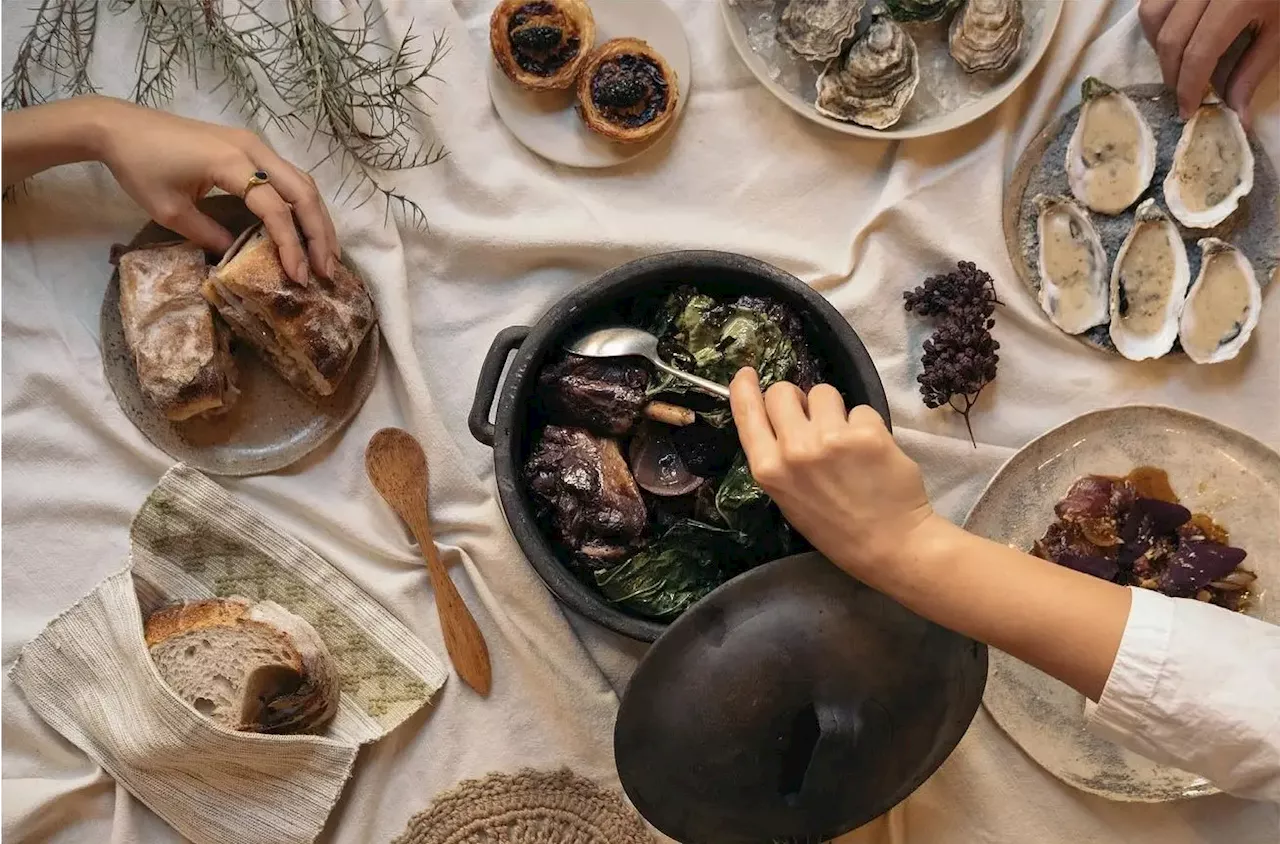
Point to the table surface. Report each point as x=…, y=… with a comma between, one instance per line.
x=509, y=234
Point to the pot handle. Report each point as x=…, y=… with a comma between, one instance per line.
x=507, y=341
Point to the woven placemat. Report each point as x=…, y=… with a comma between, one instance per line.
x=529, y=807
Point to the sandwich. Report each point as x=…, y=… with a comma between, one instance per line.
x=309, y=333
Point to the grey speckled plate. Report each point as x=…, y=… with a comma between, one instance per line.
x=1254, y=227
x=271, y=426
x=1213, y=469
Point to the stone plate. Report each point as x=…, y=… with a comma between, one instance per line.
x=1254, y=227
x=271, y=426
x=1213, y=469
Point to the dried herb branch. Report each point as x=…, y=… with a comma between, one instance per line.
x=358, y=96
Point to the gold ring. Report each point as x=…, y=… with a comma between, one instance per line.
x=259, y=177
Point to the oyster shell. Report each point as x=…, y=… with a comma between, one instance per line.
x=910, y=11
x=1148, y=285
x=1223, y=306
x=875, y=78
x=1212, y=167
x=986, y=34
x=1074, y=278
x=1112, y=153
x=817, y=30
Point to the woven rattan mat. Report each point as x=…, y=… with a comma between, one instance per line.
x=529, y=807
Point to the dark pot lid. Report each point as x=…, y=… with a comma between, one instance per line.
x=791, y=704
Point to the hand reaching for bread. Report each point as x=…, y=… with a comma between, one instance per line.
x=166, y=163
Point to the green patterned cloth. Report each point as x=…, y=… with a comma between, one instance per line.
x=90, y=675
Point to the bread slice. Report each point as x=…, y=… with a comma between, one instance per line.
x=254, y=667
x=180, y=348
x=310, y=333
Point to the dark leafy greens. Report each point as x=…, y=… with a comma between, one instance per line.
x=591, y=411
x=677, y=569
x=715, y=339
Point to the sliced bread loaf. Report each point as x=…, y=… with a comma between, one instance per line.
x=249, y=666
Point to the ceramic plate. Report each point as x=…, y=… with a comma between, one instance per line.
x=1213, y=469
x=1254, y=227
x=547, y=122
x=271, y=425
x=946, y=97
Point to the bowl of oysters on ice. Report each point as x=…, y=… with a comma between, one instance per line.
x=891, y=68
x=1143, y=234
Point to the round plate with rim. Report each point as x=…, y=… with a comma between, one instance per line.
x=1213, y=469
x=271, y=425
x=548, y=123
x=1254, y=227
x=946, y=98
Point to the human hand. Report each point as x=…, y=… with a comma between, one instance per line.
x=166, y=162
x=838, y=477
x=1191, y=36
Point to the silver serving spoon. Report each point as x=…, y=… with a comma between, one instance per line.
x=622, y=342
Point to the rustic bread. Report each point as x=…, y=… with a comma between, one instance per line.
x=310, y=333
x=254, y=667
x=180, y=348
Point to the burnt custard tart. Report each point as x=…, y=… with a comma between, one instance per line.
x=542, y=45
x=627, y=92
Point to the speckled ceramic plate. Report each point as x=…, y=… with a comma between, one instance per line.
x=1213, y=469
x=1254, y=227
x=271, y=425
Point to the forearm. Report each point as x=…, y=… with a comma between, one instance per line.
x=45, y=136
x=1067, y=624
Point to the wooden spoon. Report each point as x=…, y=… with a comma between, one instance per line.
x=398, y=468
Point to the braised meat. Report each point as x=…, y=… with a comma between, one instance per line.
x=1133, y=531
x=602, y=395
x=583, y=488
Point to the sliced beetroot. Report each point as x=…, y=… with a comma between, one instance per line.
x=1090, y=564
x=656, y=463
x=1195, y=565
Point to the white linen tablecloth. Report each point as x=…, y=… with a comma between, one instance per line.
x=860, y=220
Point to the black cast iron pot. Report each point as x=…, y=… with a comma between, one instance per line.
x=628, y=293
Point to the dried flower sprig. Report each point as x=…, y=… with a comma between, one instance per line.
x=959, y=358
x=292, y=71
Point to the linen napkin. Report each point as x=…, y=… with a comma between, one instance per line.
x=90, y=676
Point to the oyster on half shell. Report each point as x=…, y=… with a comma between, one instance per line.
x=1223, y=306
x=1074, y=277
x=1212, y=167
x=1111, y=156
x=1148, y=285
x=817, y=30
x=913, y=11
x=986, y=34
x=875, y=78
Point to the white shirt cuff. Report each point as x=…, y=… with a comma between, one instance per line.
x=1123, y=712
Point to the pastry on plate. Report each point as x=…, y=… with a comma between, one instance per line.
x=309, y=333
x=252, y=667
x=180, y=349
x=541, y=45
x=627, y=92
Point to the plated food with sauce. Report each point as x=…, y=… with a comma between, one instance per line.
x=1143, y=234
x=1133, y=530
x=1200, y=526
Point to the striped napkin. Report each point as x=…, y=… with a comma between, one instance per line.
x=90, y=676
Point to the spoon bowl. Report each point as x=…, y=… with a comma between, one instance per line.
x=620, y=341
